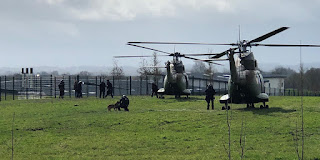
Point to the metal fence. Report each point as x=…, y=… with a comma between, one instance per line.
x=28, y=86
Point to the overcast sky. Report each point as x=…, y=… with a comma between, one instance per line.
x=90, y=32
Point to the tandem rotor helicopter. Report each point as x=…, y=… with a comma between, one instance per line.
x=245, y=84
x=176, y=80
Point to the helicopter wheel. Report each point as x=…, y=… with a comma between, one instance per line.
x=267, y=106
x=225, y=107
x=261, y=106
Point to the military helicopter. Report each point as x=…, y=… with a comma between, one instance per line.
x=176, y=80
x=246, y=84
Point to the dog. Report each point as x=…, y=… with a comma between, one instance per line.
x=114, y=106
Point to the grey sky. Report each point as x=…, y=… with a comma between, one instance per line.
x=82, y=32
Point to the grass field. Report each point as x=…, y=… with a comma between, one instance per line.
x=155, y=129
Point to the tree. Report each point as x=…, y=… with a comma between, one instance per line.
x=145, y=69
x=283, y=71
x=117, y=71
x=198, y=68
x=312, y=79
x=84, y=73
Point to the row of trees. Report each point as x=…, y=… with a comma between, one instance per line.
x=310, y=78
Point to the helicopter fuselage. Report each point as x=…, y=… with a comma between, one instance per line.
x=176, y=80
x=246, y=84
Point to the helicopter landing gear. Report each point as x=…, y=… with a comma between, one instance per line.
x=177, y=96
x=250, y=105
x=161, y=96
x=264, y=105
x=225, y=107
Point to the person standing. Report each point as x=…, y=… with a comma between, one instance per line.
x=79, y=87
x=102, y=88
x=210, y=92
x=61, y=88
x=75, y=87
x=110, y=89
x=154, y=90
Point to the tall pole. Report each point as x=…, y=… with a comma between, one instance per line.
x=302, y=123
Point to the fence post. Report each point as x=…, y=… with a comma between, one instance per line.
x=127, y=87
x=147, y=85
x=140, y=85
x=5, y=87
x=55, y=87
x=96, y=86
x=26, y=86
x=130, y=85
x=40, y=87
x=113, y=85
x=69, y=86
x=51, y=89
x=12, y=88
x=88, y=86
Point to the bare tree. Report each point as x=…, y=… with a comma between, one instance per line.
x=198, y=67
x=151, y=68
x=117, y=71
x=144, y=70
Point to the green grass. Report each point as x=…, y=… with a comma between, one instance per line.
x=155, y=129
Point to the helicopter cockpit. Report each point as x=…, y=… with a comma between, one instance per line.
x=179, y=67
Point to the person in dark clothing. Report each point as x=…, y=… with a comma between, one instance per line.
x=102, y=88
x=210, y=92
x=79, y=87
x=154, y=90
x=61, y=88
x=75, y=87
x=110, y=89
x=124, y=103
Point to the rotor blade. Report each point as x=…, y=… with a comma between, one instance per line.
x=201, y=54
x=224, y=53
x=210, y=60
x=154, y=67
x=135, y=56
x=232, y=44
x=286, y=45
x=201, y=60
x=261, y=38
x=147, y=48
